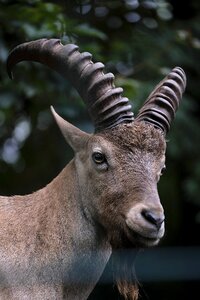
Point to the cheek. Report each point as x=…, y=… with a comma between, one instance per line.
x=113, y=207
x=106, y=192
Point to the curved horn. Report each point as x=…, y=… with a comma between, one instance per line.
x=106, y=106
x=160, y=107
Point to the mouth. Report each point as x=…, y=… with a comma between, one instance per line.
x=142, y=240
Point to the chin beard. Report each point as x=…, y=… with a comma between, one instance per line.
x=125, y=245
x=122, y=264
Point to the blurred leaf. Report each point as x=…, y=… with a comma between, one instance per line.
x=86, y=30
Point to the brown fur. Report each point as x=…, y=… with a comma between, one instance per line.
x=138, y=136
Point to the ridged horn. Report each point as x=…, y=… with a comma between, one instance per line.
x=162, y=104
x=106, y=106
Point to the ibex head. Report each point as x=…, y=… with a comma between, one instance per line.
x=119, y=166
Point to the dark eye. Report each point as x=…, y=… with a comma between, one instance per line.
x=98, y=158
x=163, y=170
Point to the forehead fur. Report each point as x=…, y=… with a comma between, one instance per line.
x=138, y=135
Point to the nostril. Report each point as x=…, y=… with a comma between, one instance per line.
x=153, y=218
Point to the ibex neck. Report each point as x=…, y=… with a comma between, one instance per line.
x=83, y=247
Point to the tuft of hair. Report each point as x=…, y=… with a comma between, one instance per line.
x=124, y=275
x=128, y=290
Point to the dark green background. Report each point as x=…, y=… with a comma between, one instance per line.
x=139, y=41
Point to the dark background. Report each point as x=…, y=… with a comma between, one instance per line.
x=139, y=41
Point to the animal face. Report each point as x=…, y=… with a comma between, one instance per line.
x=118, y=171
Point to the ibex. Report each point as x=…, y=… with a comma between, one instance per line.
x=56, y=242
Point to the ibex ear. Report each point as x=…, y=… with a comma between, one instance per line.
x=73, y=135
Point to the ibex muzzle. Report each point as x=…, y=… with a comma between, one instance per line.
x=106, y=198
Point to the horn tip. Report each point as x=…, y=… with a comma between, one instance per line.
x=181, y=72
x=54, y=113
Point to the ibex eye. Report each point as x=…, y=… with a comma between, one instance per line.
x=98, y=158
